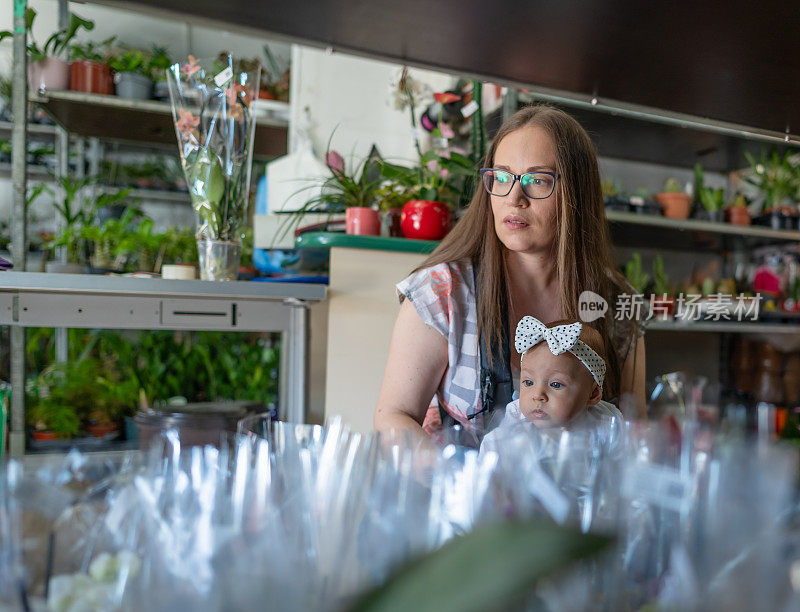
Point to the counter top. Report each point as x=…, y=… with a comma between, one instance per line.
x=326, y=240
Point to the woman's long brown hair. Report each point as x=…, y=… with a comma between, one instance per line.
x=582, y=250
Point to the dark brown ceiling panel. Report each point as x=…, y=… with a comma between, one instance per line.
x=730, y=61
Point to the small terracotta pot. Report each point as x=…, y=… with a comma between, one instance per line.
x=425, y=220
x=91, y=77
x=362, y=221
x=739, y=215
x=676, y=205
x=46, y=435
x=264, y=94
x=101, y=431
x=51, y=73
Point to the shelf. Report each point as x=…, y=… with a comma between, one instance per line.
x=655, y=141
x=36, y=131
x=139, y=121
x=152, y=195
x=724, y=327
x=34, y=172
x=635, y=230
x=117, y=302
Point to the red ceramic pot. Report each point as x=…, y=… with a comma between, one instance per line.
x=91, y=77
x=362, y=221
x=425, y=220
x=46, y=435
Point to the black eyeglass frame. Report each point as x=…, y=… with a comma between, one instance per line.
x=518, y=177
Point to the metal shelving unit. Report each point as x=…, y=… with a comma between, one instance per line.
x=29, y=299
x=638, y=230
x=140, y=121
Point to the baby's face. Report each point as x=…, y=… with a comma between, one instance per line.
x=554, y=389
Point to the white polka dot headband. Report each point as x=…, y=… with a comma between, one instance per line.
x=531, y=331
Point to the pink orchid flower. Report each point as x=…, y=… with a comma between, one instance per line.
x=447, y=131
x=335, y=162
x=446, y=97
x=186, y=122
x=192, y=67
x=433, y=166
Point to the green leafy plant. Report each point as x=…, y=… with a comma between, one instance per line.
x=637, y=277
x=105, y=240
x=145, y=244
x=131, y=60
x=739, y=201
x=776, y=176
x=713, y=200
x=158, y=63
x=58, y=41
x=527, y=552
x=181, y=246
x=74, y=216
x=661, y=284
x=275, y=76
x=92, y=51
x=672, y=185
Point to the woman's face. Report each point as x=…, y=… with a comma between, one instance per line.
x=522, y=224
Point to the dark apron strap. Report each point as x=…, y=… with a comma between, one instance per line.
x=497, y=386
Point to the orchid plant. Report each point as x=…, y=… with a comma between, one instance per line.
x=215, y=128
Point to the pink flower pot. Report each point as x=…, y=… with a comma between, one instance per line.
x=50, y=73
x=362, y=221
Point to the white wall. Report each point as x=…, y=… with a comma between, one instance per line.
x=352, y=96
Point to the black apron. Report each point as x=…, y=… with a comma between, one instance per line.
x=497, y=386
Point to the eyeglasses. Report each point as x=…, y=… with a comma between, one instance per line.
x=535, y=185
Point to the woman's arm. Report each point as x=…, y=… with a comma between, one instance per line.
x=415, y=366
x=632, y=380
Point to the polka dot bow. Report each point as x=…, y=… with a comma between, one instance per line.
x=561, y=338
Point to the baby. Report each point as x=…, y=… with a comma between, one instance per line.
x=561, y=376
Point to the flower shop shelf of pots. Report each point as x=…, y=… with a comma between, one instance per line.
x=31, y=299
x=139, y=121
x=326, y=240
x=637, y=230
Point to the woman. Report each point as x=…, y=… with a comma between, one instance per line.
x=532, y=240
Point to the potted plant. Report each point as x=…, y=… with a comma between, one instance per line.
x=738, y=214
x=159, y=63
x=713, y=201
x=46, y=69
x=274, y=78
x=145, y=244
x=132, y=74
x=74, y=216
x=104, y=240
x=352, y=192
x=611, y=196
x=89, y=71
x=663, y=302
x=53, y=420
x=635, y=275
x=674, y=201
x=778, y=180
